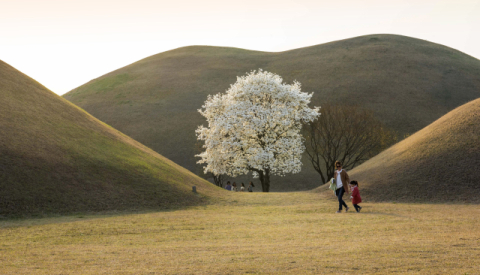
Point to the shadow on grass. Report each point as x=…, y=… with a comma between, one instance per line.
x=52, y=218
x=38, y=188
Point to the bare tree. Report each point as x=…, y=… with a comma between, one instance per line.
x=349, y=134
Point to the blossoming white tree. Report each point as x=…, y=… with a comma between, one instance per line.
x=255, y=127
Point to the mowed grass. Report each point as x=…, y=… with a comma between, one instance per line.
x=276, y=233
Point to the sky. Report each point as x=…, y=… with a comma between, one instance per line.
x=65, y=43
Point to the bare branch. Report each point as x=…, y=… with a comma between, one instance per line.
x=346, y=133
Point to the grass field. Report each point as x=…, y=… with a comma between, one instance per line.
x=250, y=233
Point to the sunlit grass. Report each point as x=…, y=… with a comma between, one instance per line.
x=284, y=233
x=58, y=159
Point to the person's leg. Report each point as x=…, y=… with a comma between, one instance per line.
x=340, y=199
x=356, y=207
x=345, y=204
x=341, y=191
x=337, y=192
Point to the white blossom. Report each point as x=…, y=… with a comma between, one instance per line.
x=255, y=125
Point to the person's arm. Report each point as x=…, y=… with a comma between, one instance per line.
x=355, y=192
x=348, y=182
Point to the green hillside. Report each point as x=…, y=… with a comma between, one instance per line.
x=407, y=82
x=56, y=158
x=439, y=164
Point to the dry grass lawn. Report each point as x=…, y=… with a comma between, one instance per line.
x=245, y=233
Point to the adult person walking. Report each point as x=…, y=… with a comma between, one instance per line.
x=342, y=180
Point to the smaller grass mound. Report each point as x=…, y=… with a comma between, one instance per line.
x=56, y=158
x=440, y=163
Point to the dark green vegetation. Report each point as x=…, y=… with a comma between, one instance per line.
x=56, y=158
x=440, y=163
x=408, y=83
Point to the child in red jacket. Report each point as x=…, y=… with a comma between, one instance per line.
x=356, y=199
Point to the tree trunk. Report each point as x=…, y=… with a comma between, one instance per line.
x=218, y=180
x=265, y=180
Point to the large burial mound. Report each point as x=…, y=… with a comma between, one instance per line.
x=56, y=158
x=440, y=163
x=407, y=82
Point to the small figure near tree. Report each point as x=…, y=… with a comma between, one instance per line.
x=255, y=127
x=229, y=186
x=250, y=187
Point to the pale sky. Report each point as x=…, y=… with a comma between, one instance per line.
x=65, y=43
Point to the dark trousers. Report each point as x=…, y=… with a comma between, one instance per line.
x=339, y=192
x=357, y=207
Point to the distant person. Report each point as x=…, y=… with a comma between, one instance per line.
x=356, y=199
x=234, y=187
x=229, y=186
x=242, y=188
x=250, y=187
x=342, y=180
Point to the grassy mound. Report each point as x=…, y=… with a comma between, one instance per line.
x=437, y=164
x=408, y=83
x=56, y=158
